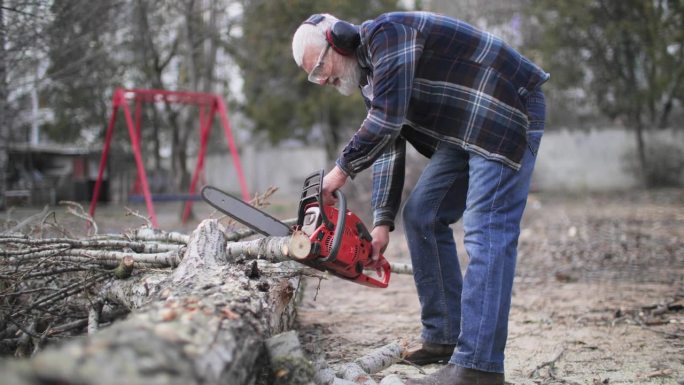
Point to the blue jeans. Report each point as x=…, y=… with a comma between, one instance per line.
x=470, y=311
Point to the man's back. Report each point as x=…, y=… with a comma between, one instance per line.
x=466, y=85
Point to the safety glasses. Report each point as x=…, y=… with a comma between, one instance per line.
x=317, y=73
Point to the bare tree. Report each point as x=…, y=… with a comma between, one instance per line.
x=626, y=56
x=3, y=103
x=176, y=47
x=22, y=25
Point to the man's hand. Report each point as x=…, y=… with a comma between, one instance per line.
x=332, y=181
x=380, y=241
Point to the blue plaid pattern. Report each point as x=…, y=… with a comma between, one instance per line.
x=431, y=79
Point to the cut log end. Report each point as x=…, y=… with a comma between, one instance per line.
x=125, y=268
x=299, y=246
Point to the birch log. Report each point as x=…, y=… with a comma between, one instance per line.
x=360, y=370
x=324, y=375
x=353, y=372
x=401, y=268
x=203, y=324
x=296, y=246
x=381, y=358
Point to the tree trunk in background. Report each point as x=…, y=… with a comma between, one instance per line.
x=210, y=49
x=332, y=137
x=641, y=147
x=155, y=60
x=4, y=124
x=641, y=151
x=204, y=323
x=188, y=117
x=201, y=31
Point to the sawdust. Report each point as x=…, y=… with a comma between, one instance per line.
x=598, y=298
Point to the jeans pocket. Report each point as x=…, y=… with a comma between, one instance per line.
x=533, y=141
x=536, y=113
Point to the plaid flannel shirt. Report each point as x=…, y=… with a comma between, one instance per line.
x=432, y=78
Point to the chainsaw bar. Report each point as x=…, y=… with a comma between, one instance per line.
x=244, y=213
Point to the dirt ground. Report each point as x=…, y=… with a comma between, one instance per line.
x=598, y=296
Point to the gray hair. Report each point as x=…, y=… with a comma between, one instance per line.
x=309, y=35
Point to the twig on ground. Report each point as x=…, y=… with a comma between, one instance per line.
x=78, y=211
x=657, y=373
x=55, y=225
x=62, y=294
x=663, y=332
x=134, y=213
x=39, y=342
x=318, y=288
x=550, y=363
x=26, y=221
x=417, y=367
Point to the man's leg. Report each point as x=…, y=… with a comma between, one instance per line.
x=496, y=200
x=437, y=201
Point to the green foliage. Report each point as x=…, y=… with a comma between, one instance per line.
x=82, y=70
x=279, y=100
x=627, y=55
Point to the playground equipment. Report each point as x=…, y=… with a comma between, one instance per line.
x=204, y=101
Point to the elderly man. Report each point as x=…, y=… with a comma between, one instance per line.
x=472, y=105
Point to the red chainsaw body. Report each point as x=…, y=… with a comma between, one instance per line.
x=353, y=258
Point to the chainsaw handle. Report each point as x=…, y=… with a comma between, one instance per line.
x=381, y=265
x=339, y=227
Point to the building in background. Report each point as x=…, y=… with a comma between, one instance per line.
x=41, y=174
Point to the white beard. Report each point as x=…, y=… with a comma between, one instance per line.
x=350, y=77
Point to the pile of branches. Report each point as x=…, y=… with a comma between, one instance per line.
x=50, y=281
x=54, y=285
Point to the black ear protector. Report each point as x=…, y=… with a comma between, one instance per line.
x=343, y=37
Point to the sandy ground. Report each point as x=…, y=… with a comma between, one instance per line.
x=598, y=297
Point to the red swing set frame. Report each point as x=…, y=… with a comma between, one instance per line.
x=204, y=101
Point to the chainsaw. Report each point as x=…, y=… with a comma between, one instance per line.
x=340, y=242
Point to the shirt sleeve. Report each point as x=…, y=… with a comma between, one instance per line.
x=394, y=51
x=388, y=183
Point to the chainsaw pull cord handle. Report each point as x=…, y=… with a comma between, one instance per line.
x=339, y=227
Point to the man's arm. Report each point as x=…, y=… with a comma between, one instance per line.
x=395, y=50
x=388, y=183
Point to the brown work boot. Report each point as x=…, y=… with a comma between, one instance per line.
x=457, y=375
x=429, y=353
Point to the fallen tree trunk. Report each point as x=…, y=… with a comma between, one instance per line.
x=204, y=323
